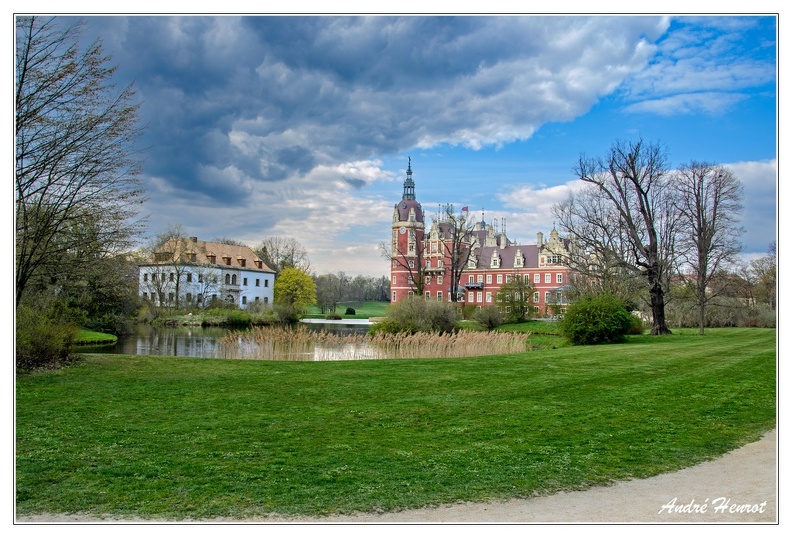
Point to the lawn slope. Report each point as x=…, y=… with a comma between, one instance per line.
x=174, y=438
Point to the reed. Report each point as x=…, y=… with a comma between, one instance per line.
x=281, y=343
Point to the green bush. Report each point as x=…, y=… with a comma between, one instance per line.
x=239, y=318
x=636, y=325
x=42, y=341
x=489, y=317
x=413, y=315
x=600, y=319
x=349, y=311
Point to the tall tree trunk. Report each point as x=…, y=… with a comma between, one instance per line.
x=657, y=301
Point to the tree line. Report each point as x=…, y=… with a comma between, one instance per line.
x=645, y=232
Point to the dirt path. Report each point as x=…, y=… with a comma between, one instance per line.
x=740, y=486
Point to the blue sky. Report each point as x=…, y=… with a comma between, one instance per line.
x=302, y=126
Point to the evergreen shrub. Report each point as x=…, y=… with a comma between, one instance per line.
x=599, y=319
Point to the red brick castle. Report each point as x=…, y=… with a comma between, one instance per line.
x=470, y=259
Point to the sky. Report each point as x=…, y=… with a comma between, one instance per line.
x=302, y=126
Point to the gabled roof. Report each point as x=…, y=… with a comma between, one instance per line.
x=192, y=251
x=529, y=253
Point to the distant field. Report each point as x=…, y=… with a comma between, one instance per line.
x=363, y=310
x=174, y=438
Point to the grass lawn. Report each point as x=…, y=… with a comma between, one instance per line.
x=176, y=438
x=85, y=337
x=363, y=310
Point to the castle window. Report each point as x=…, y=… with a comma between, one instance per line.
x=560, y=278
x=547, y=278
x=537, y=278
x=189, y=277
x=500, y=279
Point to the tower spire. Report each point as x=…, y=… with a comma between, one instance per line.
x=409, y=185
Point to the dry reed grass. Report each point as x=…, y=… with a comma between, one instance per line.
x=301, y=343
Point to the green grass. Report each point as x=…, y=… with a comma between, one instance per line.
x=176, y=438
x=85, y=337
x=363, y=310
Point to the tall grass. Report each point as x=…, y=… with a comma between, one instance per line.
x=301, y=343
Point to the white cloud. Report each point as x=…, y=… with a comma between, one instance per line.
x=711, y=103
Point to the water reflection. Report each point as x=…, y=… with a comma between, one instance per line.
x=202, y=342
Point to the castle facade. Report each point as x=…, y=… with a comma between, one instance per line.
x=458, y=256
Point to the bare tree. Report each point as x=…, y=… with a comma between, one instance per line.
x=709, y=201
x=457, y=230
x=411, y=261
x=331, y=289
x=172, y=248
x=76, y=169
x=762, y=272
x=625, y=222
x=282, y=252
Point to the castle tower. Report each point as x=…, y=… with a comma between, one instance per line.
x=407, y=240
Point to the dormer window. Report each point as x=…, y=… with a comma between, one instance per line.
x=495, y=261
x=518, y=259
x=227, y=260
x=241, y=262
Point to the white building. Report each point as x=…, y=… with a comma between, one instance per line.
x=186, y=273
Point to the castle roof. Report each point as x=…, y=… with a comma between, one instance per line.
x=192, y=251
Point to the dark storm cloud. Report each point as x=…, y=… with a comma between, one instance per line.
x=272, y=97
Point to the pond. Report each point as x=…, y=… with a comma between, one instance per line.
x=202, y=342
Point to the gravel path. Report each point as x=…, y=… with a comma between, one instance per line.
x=740, y=486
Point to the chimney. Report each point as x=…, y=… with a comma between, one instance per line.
x=194, y=239
x=539, y=239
